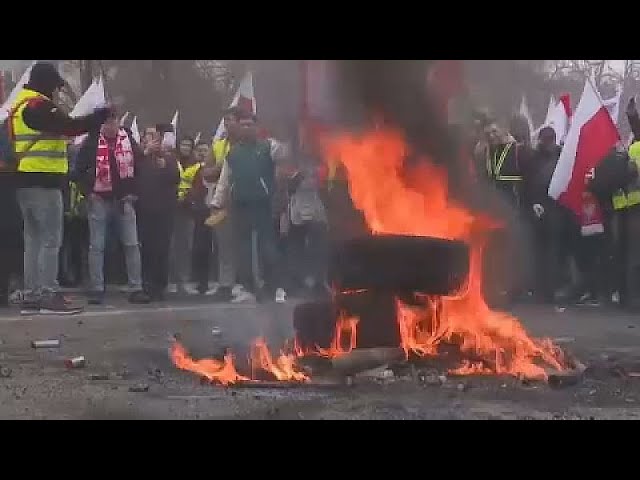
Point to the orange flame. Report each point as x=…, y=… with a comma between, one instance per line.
x=283, y=369
x=420, y=205
x=213, y=370
x=346, y=330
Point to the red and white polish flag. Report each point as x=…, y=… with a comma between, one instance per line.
x=590, y=138
x=244, y=98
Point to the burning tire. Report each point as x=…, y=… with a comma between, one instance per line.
x=314, y=323
x=396, y=263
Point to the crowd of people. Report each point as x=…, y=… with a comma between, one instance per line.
x=222, y=215
x=182, y=211
x=588, y=259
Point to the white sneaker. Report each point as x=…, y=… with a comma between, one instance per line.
x=190, y=290
x=212, y=290
x=237, y=288
x=244, y=297
x=281, y=295
x=172, y=288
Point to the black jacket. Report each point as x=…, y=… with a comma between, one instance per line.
x=536, y=176
x=157, y=187
x=84, y=168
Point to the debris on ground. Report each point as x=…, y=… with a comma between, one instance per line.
x=363, y=359
x=45, y=344
x=139, y=388
x=5, y=372
x=76, y=362
x=380, y=373
x=99, y=376
x=216, y=331
x=463, y=387
x=559, y=379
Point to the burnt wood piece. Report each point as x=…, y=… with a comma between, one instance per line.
x=397, y=263
x=362, y=359
x=565, y=378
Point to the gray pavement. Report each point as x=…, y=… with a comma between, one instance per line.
x=130, y=344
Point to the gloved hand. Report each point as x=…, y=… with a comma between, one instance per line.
x=538, y=210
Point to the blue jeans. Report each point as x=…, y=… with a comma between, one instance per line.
x=42, y=213
x=101, y=213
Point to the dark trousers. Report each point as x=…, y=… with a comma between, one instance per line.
x=547, y=259
x=203, y=256
x=155, y=230
x=591, y=260
x=74, y=266
x=307, y=246
x=246, y=220
x=628, y=255
x=10, y=263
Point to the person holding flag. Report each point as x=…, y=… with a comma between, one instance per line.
x=591, y=137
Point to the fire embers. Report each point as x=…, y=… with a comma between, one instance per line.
x=216, y=371
x=262, y=365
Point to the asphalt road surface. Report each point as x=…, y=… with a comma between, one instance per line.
x=130, y=345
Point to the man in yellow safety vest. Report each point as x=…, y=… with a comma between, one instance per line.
x=39, y=128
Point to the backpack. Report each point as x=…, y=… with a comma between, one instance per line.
x=305, y=205
x=9, y=159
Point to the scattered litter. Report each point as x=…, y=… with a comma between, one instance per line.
x=80, y=322
x=630, y=400
x=592, y=392
x=631, y=326
x=560, y=309
x=99, y=376
x=563, y=340
x=156, y=373
x=45, y=344
x=77, y=362
x=431, y=378
x=463, y=387
x=5, y=372
x=216, y=331
x=633, y=374
x=379, y=373
x=140, y=388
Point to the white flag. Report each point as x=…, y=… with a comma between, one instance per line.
x=4, y=110
x=124, y=118
x=134, y=129
x=613, y=105
x=174, y=122
x=91, y=99
x=524, y=112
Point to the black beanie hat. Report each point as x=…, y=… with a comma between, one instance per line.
x=44, y=78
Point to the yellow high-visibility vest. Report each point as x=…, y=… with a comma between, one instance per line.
x=631, y=197
x=495, y=163
x=187, y=176
x=221, y=149
x=49, y=152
